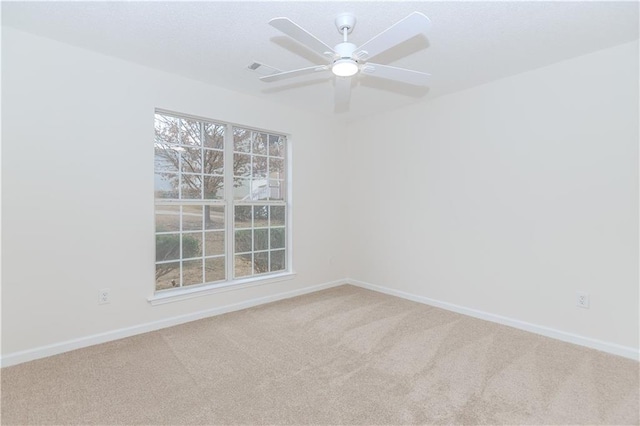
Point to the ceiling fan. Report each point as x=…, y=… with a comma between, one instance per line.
x=347, y=60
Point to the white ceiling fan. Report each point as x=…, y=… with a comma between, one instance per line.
x=347, y=60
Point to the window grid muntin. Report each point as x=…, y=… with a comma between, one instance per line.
x=251, y=227
x=181, y=148
x=280, y=179
x=202, y=232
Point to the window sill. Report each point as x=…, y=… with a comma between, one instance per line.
x=189, y=293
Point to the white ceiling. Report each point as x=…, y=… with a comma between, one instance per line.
x=469, y=43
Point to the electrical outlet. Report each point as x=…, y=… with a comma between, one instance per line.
x=104, y=296
x=582, y=299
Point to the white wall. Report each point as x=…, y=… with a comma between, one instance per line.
x=509, y=197
x=77, y=175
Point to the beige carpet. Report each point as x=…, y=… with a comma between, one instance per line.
x=340, y=356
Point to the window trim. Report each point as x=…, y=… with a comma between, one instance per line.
x=197, y=290
x=185, y=293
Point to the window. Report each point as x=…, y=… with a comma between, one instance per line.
x=220, y=202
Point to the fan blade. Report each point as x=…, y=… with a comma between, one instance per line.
x=412, y=25
x=402, y=75
x=294, y=73
x=300, y=35
x=342, y=90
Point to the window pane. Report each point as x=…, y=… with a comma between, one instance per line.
x=259, y=190
x=241, y=189
x=260, y=239
x=276, y=168
x=192, y=272
x=259, y=167
x=167, y=275
x=260, y=216
x=213, y=187
x=191, y=187
x=261, y=262
x=242, y=165
x=214, y=217
x=167, y=218
x=260, y=143
x=277, y=215
x=167, y=247
x=191, y=160
x=275, y=189
x=277, y=260
x=191, y=244
x=243, y=266
x=213, y=243
x=243, y=241
x=213, y=162
x=277, y=238
x=214, y=269
x=241, y=140
x=214, y=136
x=166, y=185
x=243, y=216
x=190, y=132
x=276, y=146
x=191, y=218
x=166, y=129
x=166, y=158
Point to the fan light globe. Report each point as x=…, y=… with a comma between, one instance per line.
x=344, y=68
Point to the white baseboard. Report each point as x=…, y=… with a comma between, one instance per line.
x=613, y=348
x=69, y=345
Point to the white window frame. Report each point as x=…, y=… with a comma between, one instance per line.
x=229, y=203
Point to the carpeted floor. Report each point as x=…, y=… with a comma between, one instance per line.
x=339, y=356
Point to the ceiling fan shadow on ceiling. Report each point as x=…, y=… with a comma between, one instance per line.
x=346, y=60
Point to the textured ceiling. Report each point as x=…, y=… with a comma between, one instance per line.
x=469, y=43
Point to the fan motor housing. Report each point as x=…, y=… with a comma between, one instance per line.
x=345, y=50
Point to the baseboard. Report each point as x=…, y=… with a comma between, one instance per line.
x=600, y=345
x=69, y=345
